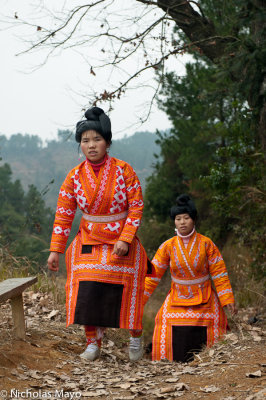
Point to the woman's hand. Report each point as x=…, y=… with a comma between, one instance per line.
x=231, y=308
x=53, y=261
x=120, y=248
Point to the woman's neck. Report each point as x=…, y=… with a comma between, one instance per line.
x=96, y=167
x=185, y=236
x=98, y=164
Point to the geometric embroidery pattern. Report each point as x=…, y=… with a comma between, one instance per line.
x=112, y=206
x=101, y=266
x=119, y=201
x=194, y=303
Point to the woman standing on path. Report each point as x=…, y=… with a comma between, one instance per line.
x=192, y=314
x=106, y=263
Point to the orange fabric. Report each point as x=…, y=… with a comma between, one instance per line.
x=210, y=315
x=116, y=190
x=102, y=266
x=190, y=303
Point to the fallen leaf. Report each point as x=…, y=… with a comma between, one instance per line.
x=167, y=389
x=171, y=380
x=181, y=386
x=64, y=377
x=258, y=396
x=210, y=389
x=113, y=380
x=124, y=385
x=50, y=382
x=256, y=374
x=70, y=386
x=77, y=371
x=34, y=374
x=173, y=388
x=256, y=328
x=231, y=336
x=52, y=314
x=36, y=385
x=211, y=352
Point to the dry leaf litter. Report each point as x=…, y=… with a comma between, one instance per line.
x=48, y=363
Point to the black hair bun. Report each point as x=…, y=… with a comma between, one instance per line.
x=183, y=200
x=96, y=120
x=184, y=205
x=93, y=113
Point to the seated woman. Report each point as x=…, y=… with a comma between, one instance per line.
x=192, y=314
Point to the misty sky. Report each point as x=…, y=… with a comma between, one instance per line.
x=40, y=102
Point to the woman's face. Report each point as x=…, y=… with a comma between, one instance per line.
x=93, y=146
x=184, y=224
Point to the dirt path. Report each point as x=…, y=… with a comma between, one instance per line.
x=47, y=364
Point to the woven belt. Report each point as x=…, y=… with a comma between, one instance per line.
x=191, y=281
x=105, y=218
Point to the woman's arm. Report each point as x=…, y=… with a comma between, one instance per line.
x=219, y=276
x=65, y=212
x=135, y=204
x=160, y=263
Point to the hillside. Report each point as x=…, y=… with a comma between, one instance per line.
x=46, y=166
x=47, y=363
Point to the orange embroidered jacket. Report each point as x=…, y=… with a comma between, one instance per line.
x=191, y=269
x=112, y=204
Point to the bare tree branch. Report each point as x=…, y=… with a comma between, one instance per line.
x=145, y=34
x=118, y=91
x=196, y=27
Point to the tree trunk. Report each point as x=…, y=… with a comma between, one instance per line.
x=201, y=30
x=197, y=28
x=262, y=124
x=258, y=34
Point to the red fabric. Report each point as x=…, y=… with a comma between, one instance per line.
x=96, y=167
x=91, y=335
x=116, y=190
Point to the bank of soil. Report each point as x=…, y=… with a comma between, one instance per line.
x=47, y=363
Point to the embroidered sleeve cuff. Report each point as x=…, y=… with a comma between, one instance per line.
x=226, y=298
x=126, y=237
x=59, y=248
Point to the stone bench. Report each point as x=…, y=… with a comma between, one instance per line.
x=12, y=289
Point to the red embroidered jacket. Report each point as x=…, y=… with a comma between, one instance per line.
x=112, y=204
x=191, y=269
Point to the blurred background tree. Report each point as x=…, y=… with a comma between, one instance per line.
x=25, y=221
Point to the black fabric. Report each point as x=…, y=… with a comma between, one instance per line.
x=86, y=249
x=98, y=304
x=188, y=340
x=149, y=267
